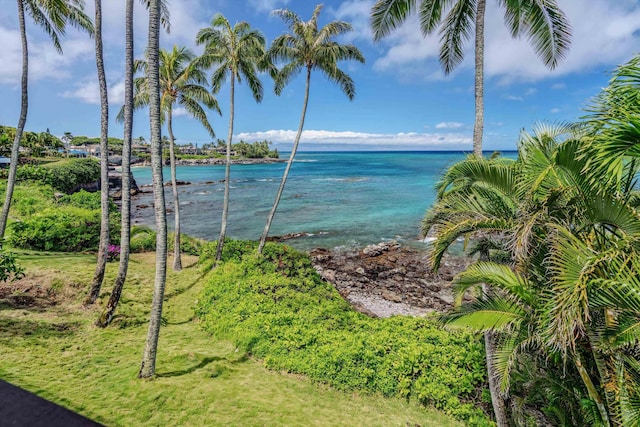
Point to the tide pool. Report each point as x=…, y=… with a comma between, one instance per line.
x=340, y=198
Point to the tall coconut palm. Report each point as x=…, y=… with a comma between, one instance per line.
x=542, y=22
x=235, y=53
x=308, y=48
x=101, y=263
x=182, y=81
x=148, y=366
x=126, y=116
x=53, y=17
x=125, y=188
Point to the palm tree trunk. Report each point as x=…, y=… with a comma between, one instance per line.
x=227, y=173
x=15, y=149
x=265, y=233
x=101, y=263
x=592, y=390
x=499, y=407
x=177, y=261
x=148, y=367
x=125, y=209
x=478, y=125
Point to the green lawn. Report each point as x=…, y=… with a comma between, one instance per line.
x=56, y=352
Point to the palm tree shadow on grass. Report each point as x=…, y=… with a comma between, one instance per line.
x=182, y=290
x=216, y=371
x=12, y=328
x=204, y=362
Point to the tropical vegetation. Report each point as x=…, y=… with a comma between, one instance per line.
x=53, y=349
x=277, y=308
x=555, y=232
x=559, y=229
x=53, y=17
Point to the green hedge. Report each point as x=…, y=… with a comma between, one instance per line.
x=62, y=229
x=277, y=308
x=143, y=239
x=64, y=175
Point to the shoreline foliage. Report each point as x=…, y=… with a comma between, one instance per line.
x=70, y=224
x=277, y=308
x=561, y=236
x=66, y=175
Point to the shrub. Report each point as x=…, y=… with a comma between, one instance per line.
x=113, y=252
x=87, y=200
x=64, y=175
x=143, y=239
x=9, y=268
x=29, y=198
x=277, y=308
x=63, y=228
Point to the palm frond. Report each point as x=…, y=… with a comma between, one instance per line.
x=456, y=29
x=497, y=276
x=493, y=313
x=548, y=29
x=387, y=15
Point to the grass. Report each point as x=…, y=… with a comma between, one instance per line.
x=56, y=352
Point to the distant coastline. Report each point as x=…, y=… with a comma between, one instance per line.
x=216, y=161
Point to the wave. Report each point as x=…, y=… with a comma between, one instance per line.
x=351, y=179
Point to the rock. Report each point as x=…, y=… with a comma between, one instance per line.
x=388, y=279
x=390, y=296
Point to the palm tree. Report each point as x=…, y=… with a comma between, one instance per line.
x=53, y=18
x=101, y=263
x=182, y=81
x=125, y=189
x=127, y=117
x=235, y=52
x=541, y=22
x=574, y=247
x=308, y=48
x=148, y=366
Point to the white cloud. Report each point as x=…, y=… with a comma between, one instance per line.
x=88, y=92
x=559, y=86
x=604, y=33
x=44, y=60
x=513, y=98
x=449, y=125
x=356, y=12
x=337, y=138
x=554, y=110
x=268, y=5
x=180, y=111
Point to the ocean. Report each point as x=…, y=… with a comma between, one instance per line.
x=341, y=199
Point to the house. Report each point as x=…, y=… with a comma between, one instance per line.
x=77, y=151
x=93, y=150
x=5, y=162
x=141, y=148
x=223, y=151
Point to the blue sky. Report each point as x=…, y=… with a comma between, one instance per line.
x=403, y=100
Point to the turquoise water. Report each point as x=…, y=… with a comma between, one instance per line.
x=343, y=199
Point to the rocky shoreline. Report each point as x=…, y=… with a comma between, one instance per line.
x=387, y=279
x=217, y=161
